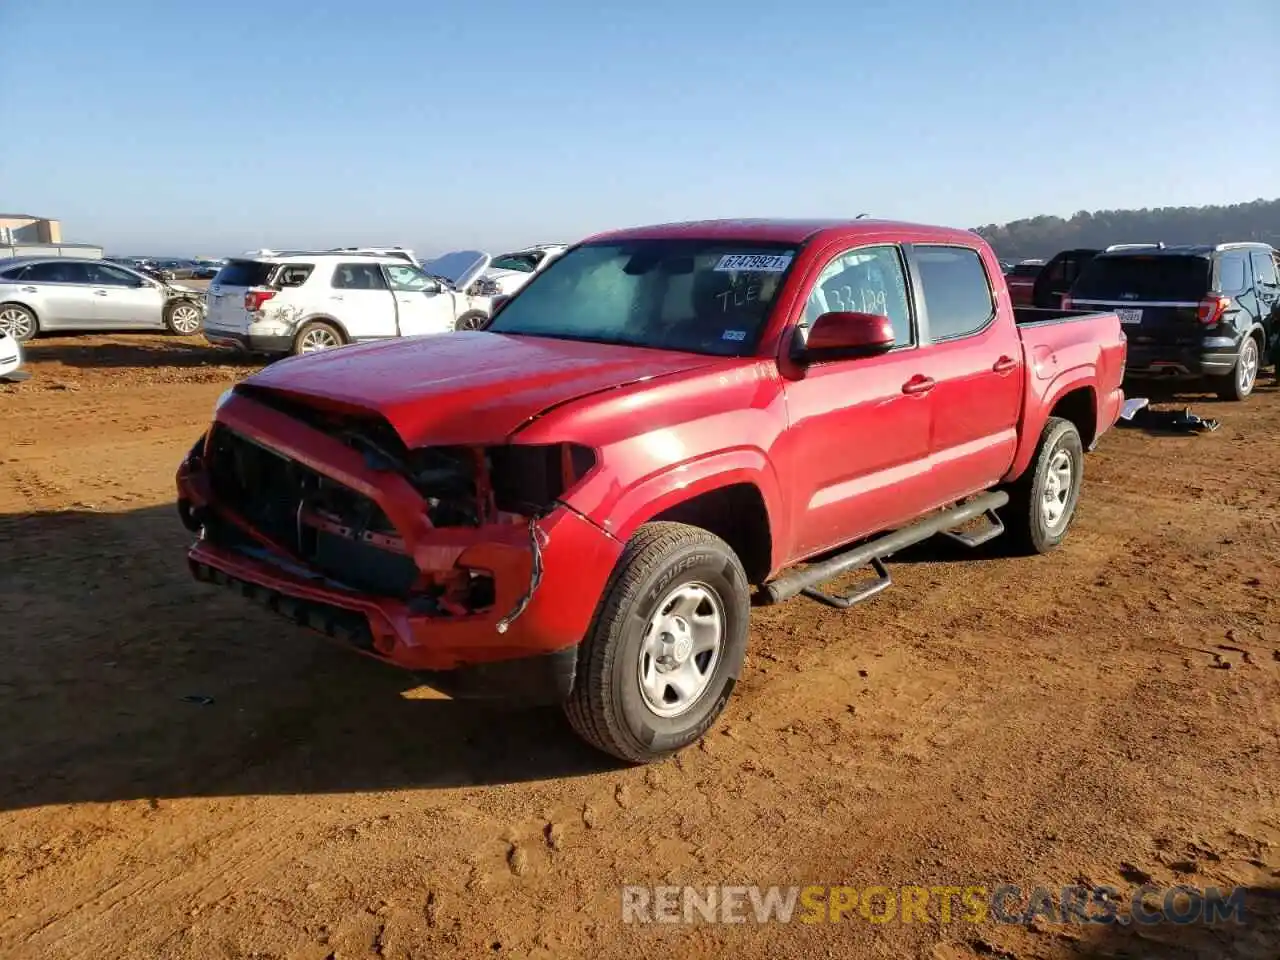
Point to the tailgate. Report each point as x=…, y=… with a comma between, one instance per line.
x=1157, y=297
x=225, y=299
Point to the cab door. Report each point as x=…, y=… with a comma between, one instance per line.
x=423, y=306
x=975, y=356
x=361, y=300
x=857, y=445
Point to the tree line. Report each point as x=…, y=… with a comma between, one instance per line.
x=1044, y=236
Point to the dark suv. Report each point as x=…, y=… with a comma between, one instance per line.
x=1209, y=313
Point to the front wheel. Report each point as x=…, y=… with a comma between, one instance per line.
x=182, y=318
x=1239, y=383
x=1042, y=502
x=666, y=647
x=475, y=320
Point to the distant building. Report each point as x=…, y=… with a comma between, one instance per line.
x=22, y=235
x=22, y=228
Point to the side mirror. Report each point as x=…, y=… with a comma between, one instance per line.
x=844, y=335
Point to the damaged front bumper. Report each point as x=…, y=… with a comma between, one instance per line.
x=489, y=610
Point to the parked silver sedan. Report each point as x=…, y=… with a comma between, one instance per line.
x=48, y=294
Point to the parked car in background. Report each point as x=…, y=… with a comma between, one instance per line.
x=10, y=358
x=1191, y=313
x=508, y=272
x=573, y=505
x=300, y=302
x=1056, y=277
x=1021, y=281
x=206, y=269
x=44, y=295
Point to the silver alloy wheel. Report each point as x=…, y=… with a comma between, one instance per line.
x=681, y=648
x=16, y=322
x=185, y=319
x=1247, y=368
x=318, y=338
x=471, y=323
x=1057, y=489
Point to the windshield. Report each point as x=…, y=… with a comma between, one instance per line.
x=698, y=296
x=520, y=262
x=1167, y=278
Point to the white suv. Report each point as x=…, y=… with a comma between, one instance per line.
x=289, y=302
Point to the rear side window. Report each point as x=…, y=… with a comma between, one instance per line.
x=1264, y=269
x=55, y=272
x=293, y=275
x=1161, y=278
x=359, y=276
x=243, y=273
x=1233, y=273
x=957, y=292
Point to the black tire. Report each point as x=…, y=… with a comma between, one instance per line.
x=1239, y=383
x=20, y=331
x=173, y=325
x=474, y=320
x=317, y=329
x=1027, y=526
x=607, y=707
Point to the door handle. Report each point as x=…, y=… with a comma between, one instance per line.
x=1005, y=365
x=335, y=298
x=99, y=293
x=30, y=290
x=918, y=384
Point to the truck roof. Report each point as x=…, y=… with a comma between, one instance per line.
x=788, y=231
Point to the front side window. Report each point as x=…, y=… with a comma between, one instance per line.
x=957, y=291
x=108, y=276
x=865, y=280
x=408, y=280
x=698, y=296
x=359, y=276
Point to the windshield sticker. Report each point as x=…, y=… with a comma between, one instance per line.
x=753, y=263
x=734, y=335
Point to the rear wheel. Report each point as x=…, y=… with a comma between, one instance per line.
x=18, y=322
x=668, y=641
x=316, y=336
x=1042, y=502
x=1239, y=383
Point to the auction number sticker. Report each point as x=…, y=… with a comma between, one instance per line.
x=754, y=262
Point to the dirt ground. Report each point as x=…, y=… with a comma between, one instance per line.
x=182, y=775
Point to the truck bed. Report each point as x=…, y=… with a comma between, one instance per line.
x=1034, y=316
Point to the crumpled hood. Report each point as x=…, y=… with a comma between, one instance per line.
x=469, y=387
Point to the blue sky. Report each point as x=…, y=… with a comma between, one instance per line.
x=442, y=124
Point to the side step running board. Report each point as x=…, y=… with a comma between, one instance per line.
x=874, y=551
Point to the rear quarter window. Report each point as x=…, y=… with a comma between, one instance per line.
x=293, y=275
x=1233, y=273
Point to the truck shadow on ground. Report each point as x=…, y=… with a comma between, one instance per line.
x=96, y=351
x=122, y=678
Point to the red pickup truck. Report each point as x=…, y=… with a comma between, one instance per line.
x=575, y=504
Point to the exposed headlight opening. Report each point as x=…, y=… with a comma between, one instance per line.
x=223, y=398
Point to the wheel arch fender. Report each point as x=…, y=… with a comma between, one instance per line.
x=660, y=494
x=1073, y=396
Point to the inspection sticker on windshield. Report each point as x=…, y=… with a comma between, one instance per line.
x=734, y=335
x=753, y=262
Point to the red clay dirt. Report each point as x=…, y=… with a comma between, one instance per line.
x=182, y=775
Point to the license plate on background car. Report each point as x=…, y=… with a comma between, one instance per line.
x=1129, y=316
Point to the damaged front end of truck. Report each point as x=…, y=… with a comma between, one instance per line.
x=433, y=558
